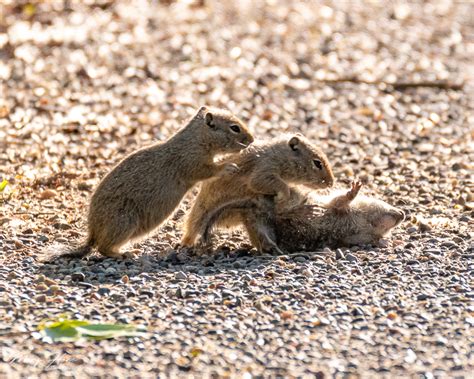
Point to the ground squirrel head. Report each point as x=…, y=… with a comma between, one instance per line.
x=222, y=131
x=307, y=164
x=381, y=216
x=368, y=220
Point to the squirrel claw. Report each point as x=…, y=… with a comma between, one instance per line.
x=356, y=185
x=229, y=169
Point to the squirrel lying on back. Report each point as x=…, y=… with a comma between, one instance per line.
x=147, y=186
x=345, y=220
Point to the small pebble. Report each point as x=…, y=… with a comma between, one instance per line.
x=351, y=258
x=78, y=277
x=181, y=275
x=339, y=254
x=47, y=194
x=41, y=298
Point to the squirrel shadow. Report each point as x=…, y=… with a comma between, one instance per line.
x=97, y=270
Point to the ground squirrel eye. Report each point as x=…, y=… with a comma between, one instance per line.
x=318, y=164
x=235, y=128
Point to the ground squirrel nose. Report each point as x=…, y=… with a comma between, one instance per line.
x=399, y=216
x=329, y=182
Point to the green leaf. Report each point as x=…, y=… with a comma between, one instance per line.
x=101, y=331
x=3, y=184
x=64, y=330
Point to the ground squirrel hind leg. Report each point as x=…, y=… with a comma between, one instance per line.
x=261, y=234
x=109, y=246
x=191, y=230
x=110, y=251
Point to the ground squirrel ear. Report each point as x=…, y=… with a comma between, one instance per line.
x=202, y=110
x=210, y=120
x=293, y=143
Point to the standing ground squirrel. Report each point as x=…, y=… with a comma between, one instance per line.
x=333, y=221
x=265, y=168
x=146, y=187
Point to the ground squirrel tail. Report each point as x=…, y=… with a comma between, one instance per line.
x=78, y=251
x=215, y=215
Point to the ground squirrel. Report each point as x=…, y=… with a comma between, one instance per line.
x=265, y=168
x=147, y=186
x=334, y=221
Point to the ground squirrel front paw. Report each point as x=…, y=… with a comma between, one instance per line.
x=229, y=169
x=356, y=185
x=282, y=197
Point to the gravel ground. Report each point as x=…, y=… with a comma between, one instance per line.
x=84, y=85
